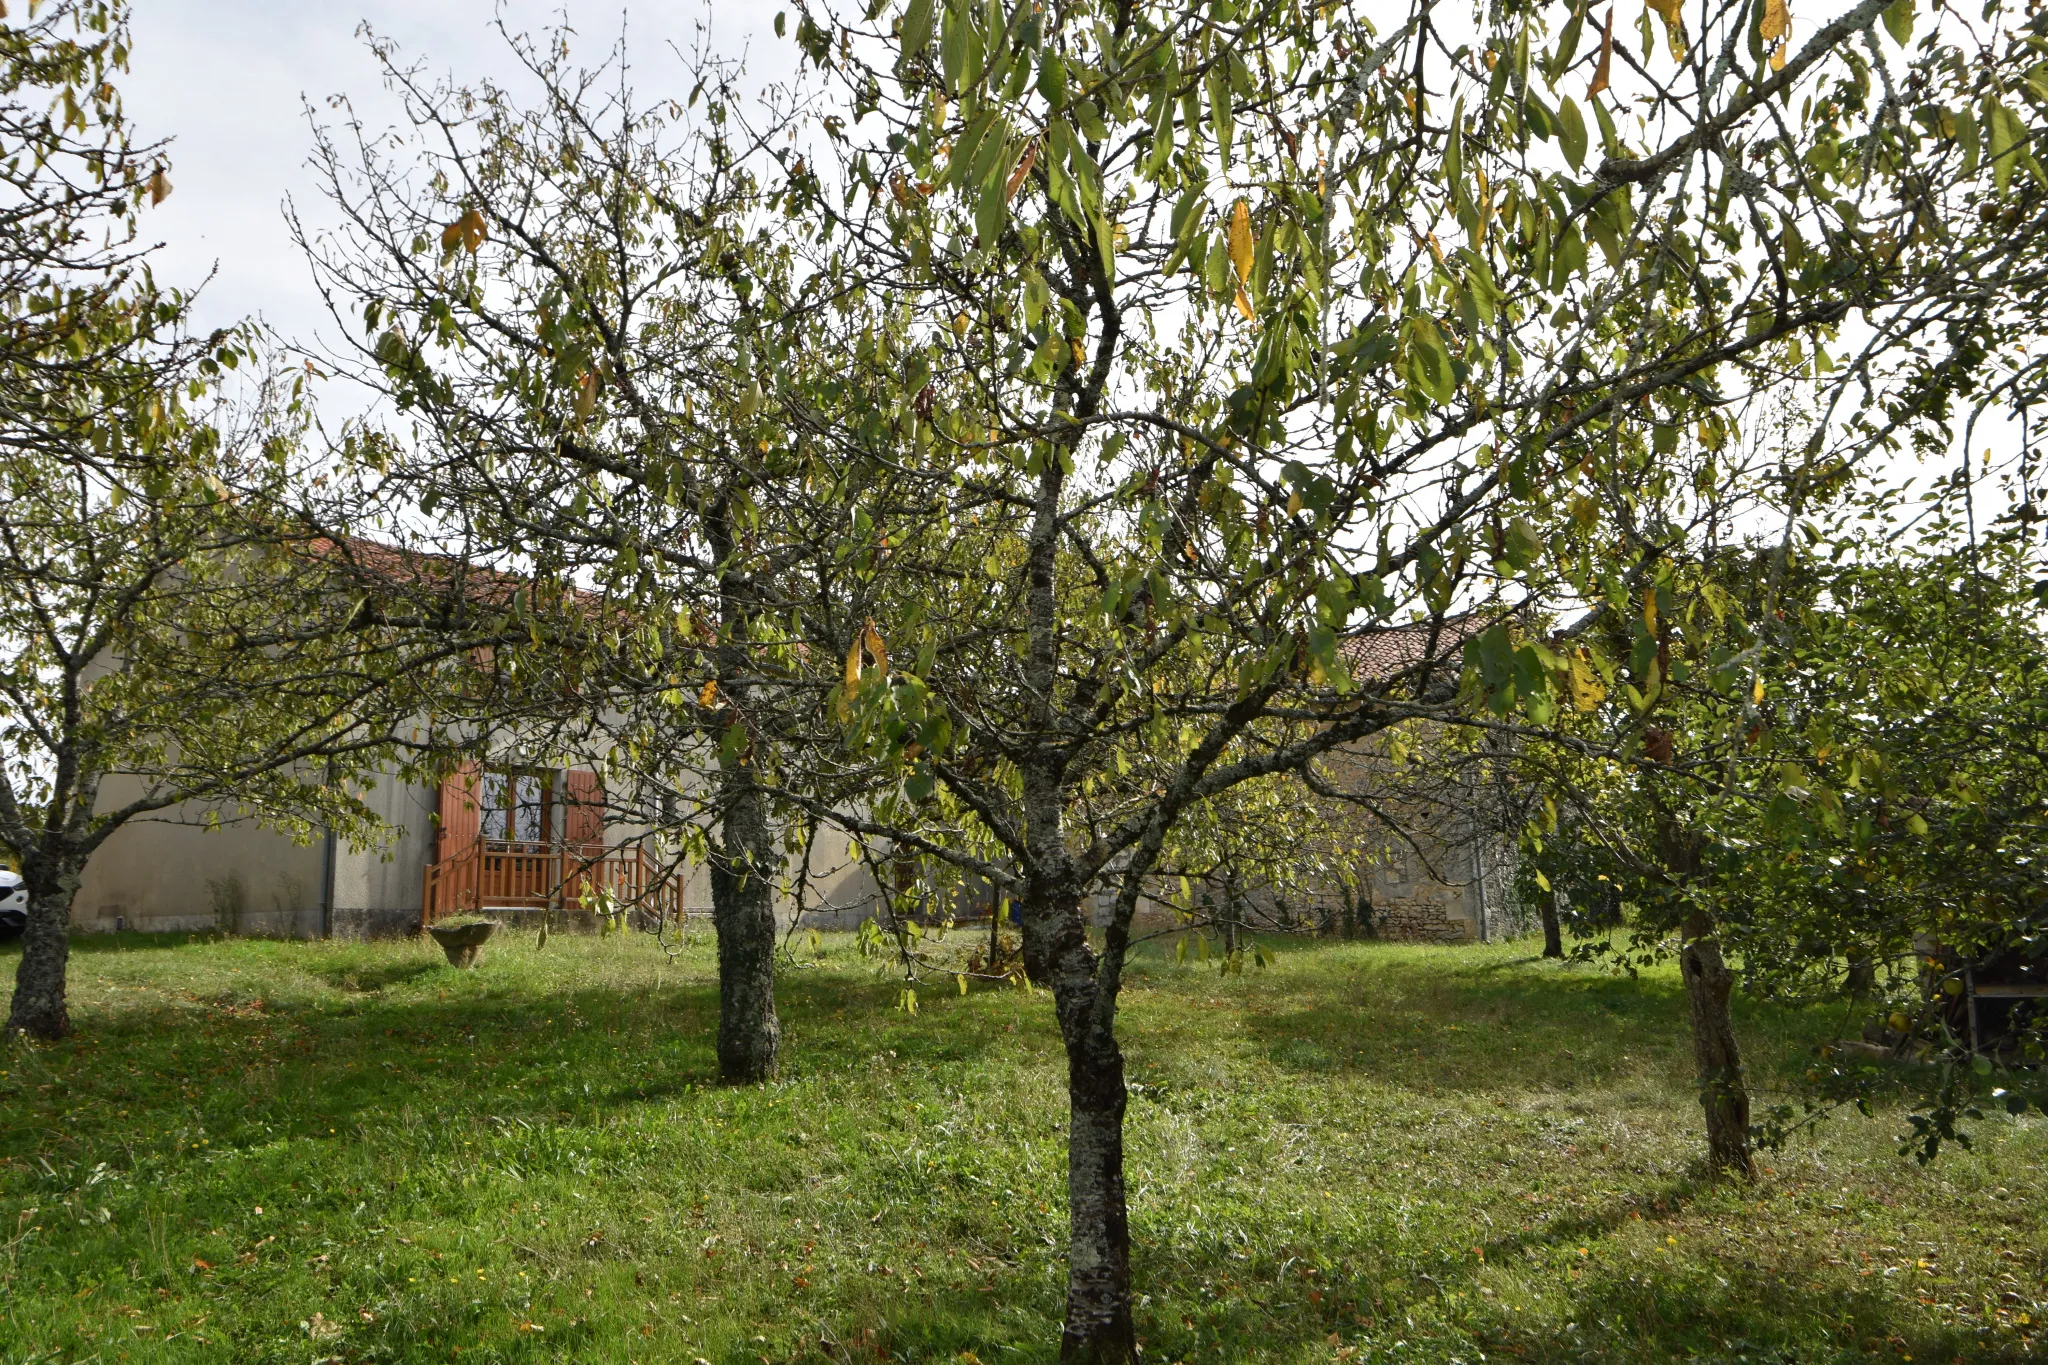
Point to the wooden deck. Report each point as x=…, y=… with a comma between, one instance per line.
x=490, y=875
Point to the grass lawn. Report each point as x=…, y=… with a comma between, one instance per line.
x=304, y=1152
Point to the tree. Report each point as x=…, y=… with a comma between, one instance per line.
x=175, y=615
x=573, y=304
x=1860, y=786
x=1192, y=340
x=180, y=606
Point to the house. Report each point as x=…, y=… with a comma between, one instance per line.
x=493, y=836
x=515, y=832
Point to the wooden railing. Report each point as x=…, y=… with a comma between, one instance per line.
x=492, y=875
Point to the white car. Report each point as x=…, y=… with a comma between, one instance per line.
x=13, y=905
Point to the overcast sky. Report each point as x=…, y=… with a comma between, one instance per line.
x=228, y=81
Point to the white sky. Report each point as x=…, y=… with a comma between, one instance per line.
x=228, y=80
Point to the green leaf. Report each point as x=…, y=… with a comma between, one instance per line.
x=2007, y=140
x=1567, y=48
x=1898, y=21
x=1567, y=260
x=960, y=50
x=1105, y=244
x=1610, y=141
x=916, y=30
x=1052, y=81
x=1217, y=86
x=1571, y=132
x=1523, y=547
x=1454, y=150
x=1431, y=361
x=991, y=213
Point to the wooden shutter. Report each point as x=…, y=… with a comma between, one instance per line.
x=458, y=812
x=584, y=814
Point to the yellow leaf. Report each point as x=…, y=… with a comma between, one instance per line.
x=1777, y=20
x=469, y=231
x=1601, y=72
x=1778, y=57
x=1650, y=611
x=1080, y=355
x=872, y=639
x=961, y=322
x=586, y=396
x=853, y=666
x=1672, y=12
x=1241, y=240
x=1756, y=694
x=709, y=695
x=1244, y=305
x=1587, y=689
x=1293, y=502
x=159, y=187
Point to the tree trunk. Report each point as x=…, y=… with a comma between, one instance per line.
x=1553, y=936
x=39, y=1009
x=1723, y=1094
x=1099, y=1326
x=1862, y=978
x=743, y=915
x=1099, y=1329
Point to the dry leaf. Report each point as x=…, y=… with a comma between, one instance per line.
x=159, y=187
x=1606, y=66
x=709, y=696
x=1016, y=181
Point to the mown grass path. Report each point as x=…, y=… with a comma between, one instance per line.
x=291, y=1152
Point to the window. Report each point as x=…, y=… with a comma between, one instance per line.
x=515, y=805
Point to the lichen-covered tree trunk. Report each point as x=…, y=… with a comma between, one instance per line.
x=1099, y=1328
x=743, y=915
x=39, y=1008
x=1724, y=1095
